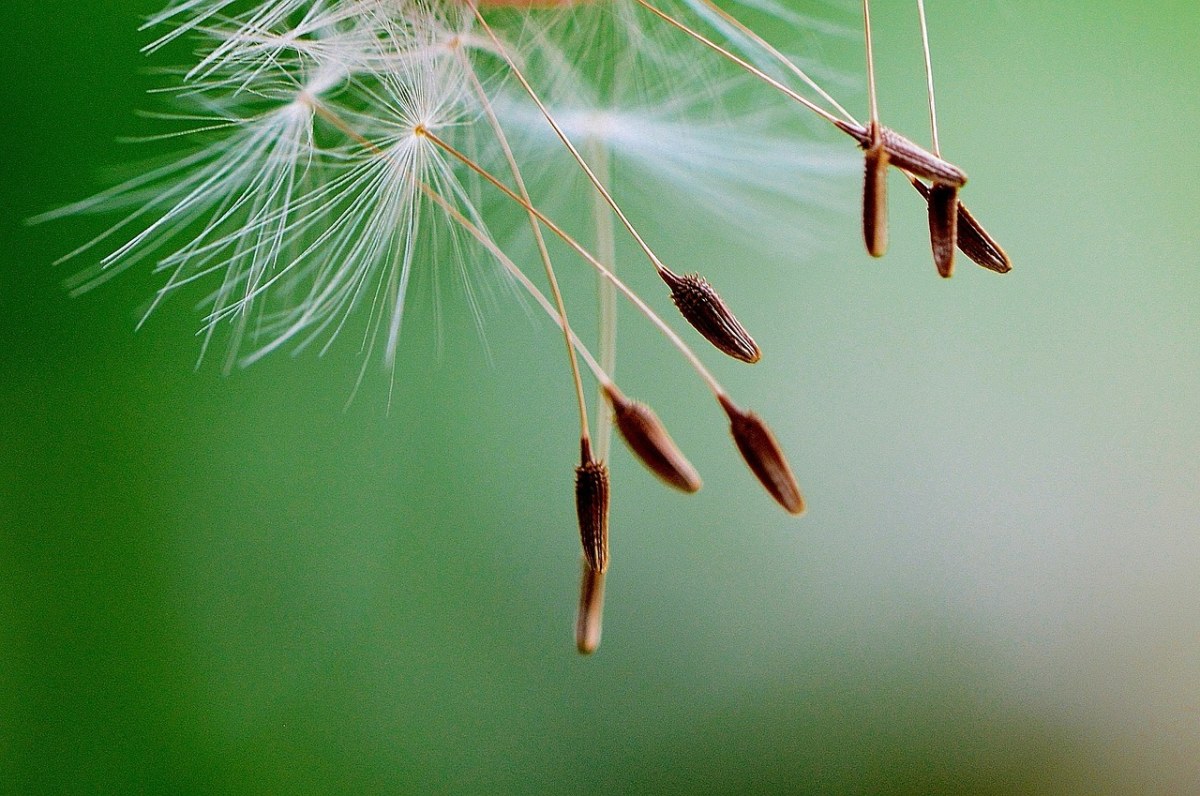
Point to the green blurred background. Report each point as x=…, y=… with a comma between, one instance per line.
x=216, y=584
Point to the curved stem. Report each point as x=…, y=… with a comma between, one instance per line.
x=633, y=297
x=606, y=294
x=744, y=64
x=591, y=175
x=537, y=234
x=937, y=149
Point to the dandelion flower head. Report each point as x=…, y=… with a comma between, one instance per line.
x=339, y=149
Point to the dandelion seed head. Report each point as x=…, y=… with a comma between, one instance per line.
x=339, y=152
x=302, y=203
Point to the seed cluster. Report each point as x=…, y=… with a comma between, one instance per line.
x=951, y=227
x=950, y=224
x=341, y=133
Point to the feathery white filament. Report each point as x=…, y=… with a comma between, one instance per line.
x=302, y=205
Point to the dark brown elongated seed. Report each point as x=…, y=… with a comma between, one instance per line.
x=943, y=226
x=703, y=309
x=764, y=457
x=909, y=156
x=875, y=231
x=646, y=436
x=914, y=159
x=590, y=618
x=591, y=506
x=973, y=240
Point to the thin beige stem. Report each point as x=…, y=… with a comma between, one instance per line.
x=486, y=241
x=489, y=244
x=787, y=63
x=741, y=62
x=937, y=149
x=337, y=121
x=634, y=298
x=591, y=175
x=874, y=120
x=607, y=296
x=543, y=252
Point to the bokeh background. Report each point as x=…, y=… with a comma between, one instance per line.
x=231, y=584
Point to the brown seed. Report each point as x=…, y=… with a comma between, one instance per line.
x=875, y=231
x=591, y=610
x=907, y=155
x=764, y=457
x=704, y=309
x=646, y=436
x=591, y=506
x=976, y=243
x=973, y=240
x=943, y=226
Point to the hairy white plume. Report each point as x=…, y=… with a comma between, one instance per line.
x=305, y=205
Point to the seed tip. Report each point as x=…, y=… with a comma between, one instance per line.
x=972, y=239
x=589, y=619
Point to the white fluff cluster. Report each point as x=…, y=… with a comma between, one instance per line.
x=311, y=196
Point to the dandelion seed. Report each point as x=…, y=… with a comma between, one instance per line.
x=975, y=242
x=646, y=436
x=707, y=313
x=943, y=226
x=908, y=156
x=943, y=199
x=876, y=160
x=591, y=504
x=875, y=233
x=879, y=142
x=344, y=148
x=972, y=239
x=763, y=455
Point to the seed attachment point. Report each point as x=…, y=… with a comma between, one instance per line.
x=764, y=456
x=707, y=313
x=917, y=160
